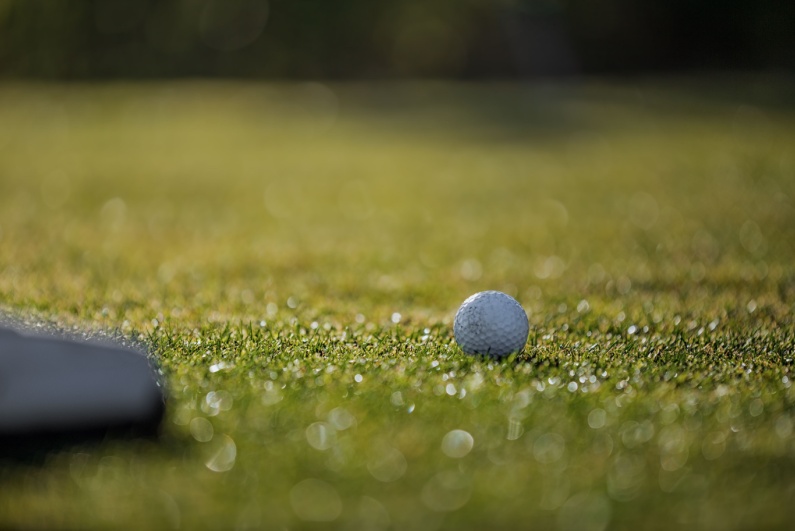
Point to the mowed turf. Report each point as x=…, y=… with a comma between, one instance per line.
x=292, y=256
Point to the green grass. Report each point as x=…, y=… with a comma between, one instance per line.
x=261, y=240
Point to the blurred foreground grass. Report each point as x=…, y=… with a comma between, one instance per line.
x=292, y=256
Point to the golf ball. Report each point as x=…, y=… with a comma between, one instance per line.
x=491, y=323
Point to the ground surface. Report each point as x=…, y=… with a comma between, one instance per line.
x=292, y=257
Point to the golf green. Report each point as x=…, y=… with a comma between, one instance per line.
x=292, y=256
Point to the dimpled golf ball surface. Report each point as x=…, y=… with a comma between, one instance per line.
x=492, y=323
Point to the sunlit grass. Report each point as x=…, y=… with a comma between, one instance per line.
x=292, y=257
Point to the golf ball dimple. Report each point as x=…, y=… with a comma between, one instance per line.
x=491, y=323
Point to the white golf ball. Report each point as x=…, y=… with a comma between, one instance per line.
x=491, y=323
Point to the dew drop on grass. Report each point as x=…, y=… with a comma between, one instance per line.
x=457, y=443
x=602, y=445
x=222, y=454
x=321, y=436
x=217, y=401
x=341, y=418
x=220, y=366
x=673, y=444
x=272, y=394
x=396, y=399
x=515, y=429
x=597, y=418
x=386, y=463
x=471, y=269
x=201, y=429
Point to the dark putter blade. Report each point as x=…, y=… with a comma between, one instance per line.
x=57, y=391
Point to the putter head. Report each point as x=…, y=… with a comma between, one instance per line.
x=57, y=391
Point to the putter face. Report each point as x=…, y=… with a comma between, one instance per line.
x=53, y=387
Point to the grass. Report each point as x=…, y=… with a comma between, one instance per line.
x=292, y=256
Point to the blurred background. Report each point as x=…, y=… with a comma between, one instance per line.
x=363, y=39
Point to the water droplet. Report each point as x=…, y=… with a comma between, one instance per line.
x=386, y=463
x=396, y=399
x=673, y=447
x=321, y=436
x=515, y=429
x=457, y=443
x=358, y=378
x=222, y=455
x=314, y=500
x=596, y=273
x=114, y=213
x=217, y=401
x=341, y=418
x=625, y=477
x=220, y=366
x=471, y=269
x=549, y=267
x=597, y=418
x=201, y=429
x=272, y=394
x=602, y=445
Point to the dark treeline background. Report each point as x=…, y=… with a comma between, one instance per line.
x=85, y=39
